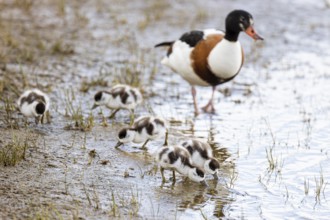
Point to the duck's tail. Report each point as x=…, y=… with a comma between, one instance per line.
x=164, y=44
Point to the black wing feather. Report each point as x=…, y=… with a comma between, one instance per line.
x=192, y=37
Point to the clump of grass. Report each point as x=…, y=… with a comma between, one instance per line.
x=9, y=40
x=10, y=84
x=306, y=187
x=92, y=154
x=125, y=204
x=141, y=67
x=61, y=7
x=75, y=113
x=79, y=121
x=99, y=80
x=274, y=164
x=286, y=194
x=80, y=18
x=47, y=212
x=233, y=177
x=27, y=55
x=129, y=74
x=134, y=204
x=9, y=120
x=83, y=146
x=114, y=210
x=201, y=15
x=24, y=4
x=2, y=85
x=319, y=187
x=143, y=24
x=13, y=152
x=96, y=198
x=61, y=48
x=154, y=11
x=104, y=122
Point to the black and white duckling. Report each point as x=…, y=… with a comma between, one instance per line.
x=177, y=158
x=34, y=103
x=119, y=97
x=144, y=128
x=202, y=156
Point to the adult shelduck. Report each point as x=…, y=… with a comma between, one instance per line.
x=210, y=57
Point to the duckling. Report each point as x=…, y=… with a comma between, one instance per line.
x=177, y=158
x=33, y=103
x=144, y=129
x=202, y=156
x=119, y=97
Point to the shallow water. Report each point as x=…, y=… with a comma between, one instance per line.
x=270, y=132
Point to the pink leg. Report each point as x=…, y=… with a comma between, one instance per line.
x=209, y=108
x=193, y=92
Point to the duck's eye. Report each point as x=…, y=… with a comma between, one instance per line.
x=242, y=19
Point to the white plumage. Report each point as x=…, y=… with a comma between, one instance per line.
x=226, y=66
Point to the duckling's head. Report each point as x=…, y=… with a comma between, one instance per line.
x=100, y=98
x=197, y=175
x=126, y=135
x=212, y=166
x=40, y=109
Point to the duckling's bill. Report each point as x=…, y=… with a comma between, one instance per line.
x=204, y=183
x=118, y=144
x=94, y=106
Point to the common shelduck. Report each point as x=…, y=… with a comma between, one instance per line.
x=210, y=57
